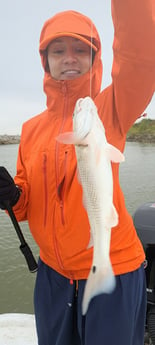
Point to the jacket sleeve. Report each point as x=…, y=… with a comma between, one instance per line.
x=133, y=70
x=20, y=208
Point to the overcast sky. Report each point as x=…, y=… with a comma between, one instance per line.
x=21, y=74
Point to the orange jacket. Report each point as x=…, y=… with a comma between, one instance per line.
x=51, y=197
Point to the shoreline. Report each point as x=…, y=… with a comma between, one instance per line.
x=143, y=139
x=6, y=139
x=131, y=137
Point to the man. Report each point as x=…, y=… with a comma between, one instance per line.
x=47, y=188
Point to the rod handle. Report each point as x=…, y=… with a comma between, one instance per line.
x=31, y=262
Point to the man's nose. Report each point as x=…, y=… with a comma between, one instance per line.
x=70, y=56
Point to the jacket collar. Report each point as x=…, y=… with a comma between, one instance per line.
x=88, y=84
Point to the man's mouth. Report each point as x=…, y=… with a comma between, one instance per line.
x=71, y=72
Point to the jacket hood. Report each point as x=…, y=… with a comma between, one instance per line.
x=74, y=24
x=69, y=23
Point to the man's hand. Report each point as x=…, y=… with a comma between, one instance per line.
x=9, y=192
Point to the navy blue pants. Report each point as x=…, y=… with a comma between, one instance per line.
x=112, y=319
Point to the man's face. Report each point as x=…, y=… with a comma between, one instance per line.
x=68, y=58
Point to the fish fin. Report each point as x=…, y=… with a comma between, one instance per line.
x=68, y=138
x=91, y=241
x=112, y=218
x=100, y=280
x=113, y=154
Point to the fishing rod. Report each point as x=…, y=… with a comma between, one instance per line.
x=25, y=249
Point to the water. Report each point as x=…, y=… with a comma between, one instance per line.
x=137, y=174
x=16, y=282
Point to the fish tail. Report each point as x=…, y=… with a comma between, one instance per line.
x=100, y=280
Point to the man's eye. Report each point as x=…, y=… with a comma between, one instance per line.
x=58, y=51
x=80, y=50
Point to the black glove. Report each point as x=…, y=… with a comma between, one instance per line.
x=9, y=192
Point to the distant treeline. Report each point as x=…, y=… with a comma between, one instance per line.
x=143, y=131
x=9, y=139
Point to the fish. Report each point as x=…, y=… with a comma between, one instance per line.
x=94, y=156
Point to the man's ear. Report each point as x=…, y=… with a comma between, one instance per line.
x=44, y=58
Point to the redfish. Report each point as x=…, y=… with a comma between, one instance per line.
x=94, y=156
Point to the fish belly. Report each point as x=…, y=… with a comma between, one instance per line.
x=97, y=187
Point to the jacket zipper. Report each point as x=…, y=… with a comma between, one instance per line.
x=57, y=182
x=58, y=256
x=45, y=187
x=62, y=190
x=60, y=196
